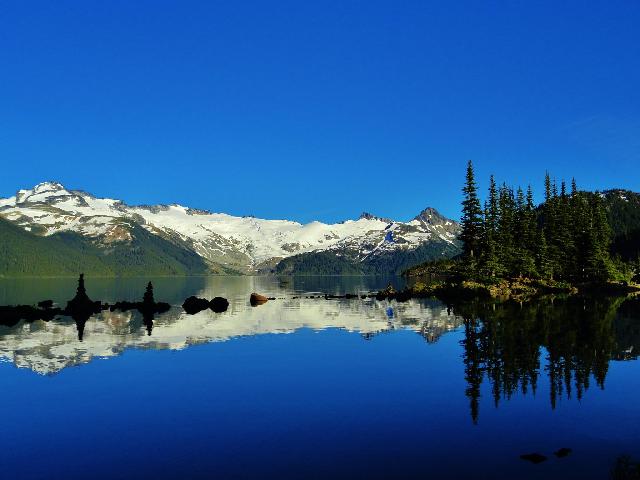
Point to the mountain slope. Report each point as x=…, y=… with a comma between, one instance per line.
x=25, y=254
x=172, y=236
x=623, y=212
x=390, y=262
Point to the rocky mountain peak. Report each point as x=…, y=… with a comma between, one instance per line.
x=48, y=186
x=369, y=216
x=226, y=242
x=431, y=216
x=41, y=192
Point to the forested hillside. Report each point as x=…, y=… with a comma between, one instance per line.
x=336, y=263
x=623, y=214
x=25, y=254
x=568, y=237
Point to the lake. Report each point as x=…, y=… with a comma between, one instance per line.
x=313, y=388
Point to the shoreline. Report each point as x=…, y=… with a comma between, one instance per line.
x=519, y=289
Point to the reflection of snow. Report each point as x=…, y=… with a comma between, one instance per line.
x=47, y=348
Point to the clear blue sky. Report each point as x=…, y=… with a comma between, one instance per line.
x=316, y=110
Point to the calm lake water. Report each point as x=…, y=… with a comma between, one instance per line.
x=315, y=388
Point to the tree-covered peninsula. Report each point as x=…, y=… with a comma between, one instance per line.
x=511, y=245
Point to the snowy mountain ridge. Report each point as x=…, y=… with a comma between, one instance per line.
x=242, y=244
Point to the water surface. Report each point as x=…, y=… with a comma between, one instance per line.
x=314, y=388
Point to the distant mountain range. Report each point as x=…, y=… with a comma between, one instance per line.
x=50, y=230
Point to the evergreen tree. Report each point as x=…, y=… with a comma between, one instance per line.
x=532, y=222
x=523, y=259
x=542, y=256
x=490, y=263
x=563, y=238
x=547, y=187
x=506, y=229
x=81, y=291
x=148, y=295
x=471, y=217
x=567, y=238
x=597, y=265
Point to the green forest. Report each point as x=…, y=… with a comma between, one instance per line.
x=567, y=238
x=344, y=263
x=62, y=254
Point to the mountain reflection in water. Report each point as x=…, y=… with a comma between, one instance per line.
x=567, y=342
x=48, y=347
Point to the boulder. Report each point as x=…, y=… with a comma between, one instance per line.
x=219, y=304
x=193, y=305
x=257, y=299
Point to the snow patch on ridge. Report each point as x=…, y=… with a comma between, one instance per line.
x=245, y=242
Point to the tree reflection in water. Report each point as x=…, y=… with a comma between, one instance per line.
x=580, y=335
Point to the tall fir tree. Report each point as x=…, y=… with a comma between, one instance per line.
x=547, y=187
x=532, y=221
x=506, y=228
x=491, y=265
x=523, y=259
x=471, y=217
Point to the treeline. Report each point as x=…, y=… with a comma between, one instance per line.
x=565, y=238
x=65, y=254
x=346, y=262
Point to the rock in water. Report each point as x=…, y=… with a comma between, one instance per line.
x=193, y=305
x=403, y=296
x=388, y=292
x=257, y=299
x=563, y=452
x=219, y=304
x=533, y=457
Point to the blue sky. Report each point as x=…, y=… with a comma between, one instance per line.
x=316, y=110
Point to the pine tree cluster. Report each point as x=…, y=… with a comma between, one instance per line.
x=565, y=238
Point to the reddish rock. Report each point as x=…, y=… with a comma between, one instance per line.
x=257, y=299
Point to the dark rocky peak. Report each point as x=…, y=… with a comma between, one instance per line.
x=369, y=216
x=432, y=217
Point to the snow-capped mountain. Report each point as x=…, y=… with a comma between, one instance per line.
x=241, y=244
